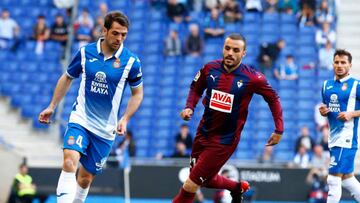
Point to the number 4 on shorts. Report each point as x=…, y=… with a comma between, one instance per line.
x=79, y=141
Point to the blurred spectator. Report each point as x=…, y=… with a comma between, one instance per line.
x=308, y=3
x=23, y=186
x=271, y=6
x=177, y=12
x=85, y=19
x=316, y=178
x=59, y=30
x=194, y=43
x=184, y=136
x=323, y=14
x=172, y=44
x=180, y=151
x=103, y=10
x=304, y=140
x=302, y=157
x=199, y=197
x=288, y=6
x=269, y=53
x=122, y=149
x=320, y=120
x=325, y=34
x=326, y=55
x=267, y=157
x=319, y=159
x=288, y=70
x=9, y=31
x=41, y=33
x=83, y=34
x=307, y=16
x=218, y=4
x=324, y=139
x=253, y=6
x=98, y=28
x=214, y=25
x=232, y=12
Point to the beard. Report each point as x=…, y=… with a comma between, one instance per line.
x=230, y=62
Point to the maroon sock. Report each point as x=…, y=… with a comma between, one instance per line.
x=221, y=182
x=184, y=197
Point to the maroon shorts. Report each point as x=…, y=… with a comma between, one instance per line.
x=207, y=158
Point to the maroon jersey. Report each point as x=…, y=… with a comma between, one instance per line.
x=227, y=99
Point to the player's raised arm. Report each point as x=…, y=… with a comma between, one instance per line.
x=270, y=96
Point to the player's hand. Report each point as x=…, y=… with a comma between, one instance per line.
x=323, y=109
x=274, y=139
x=45, y=115
x=121, y=127
x=186, y=114
x=345, y=116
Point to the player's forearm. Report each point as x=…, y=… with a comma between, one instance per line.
x=355, y=114
x=192, y=99
x=133, y=104
x=61, y=88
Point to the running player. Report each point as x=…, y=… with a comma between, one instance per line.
x=229, y=86
x=105, y=68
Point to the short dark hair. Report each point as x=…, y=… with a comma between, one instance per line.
x=116, y=16
x=236, y=36
x=343, y=52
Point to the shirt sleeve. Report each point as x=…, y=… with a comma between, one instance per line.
x=323, y=92
x=75, y=69
x=197, y=88
x=135, y=76
x=358, y=91
x=263, y=88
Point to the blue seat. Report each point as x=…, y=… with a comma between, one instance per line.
x=288, y=29
x=250, y=17
x=271, y=18
x=287, y=18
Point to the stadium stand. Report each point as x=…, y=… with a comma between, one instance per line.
x=167, y=79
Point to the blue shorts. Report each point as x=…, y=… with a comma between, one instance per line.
x=341, y=160
x=94, y=150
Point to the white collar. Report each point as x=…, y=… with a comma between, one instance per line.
x=117, y=53
x=344, y=78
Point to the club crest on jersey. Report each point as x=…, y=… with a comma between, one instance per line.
x=116, y=63
x=221, y=101
x=240, y=83
x=71, y=140
x=197, y=76
x=344, y=87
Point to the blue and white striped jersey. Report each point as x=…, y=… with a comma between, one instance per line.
x=342, y=95
x=103, y=81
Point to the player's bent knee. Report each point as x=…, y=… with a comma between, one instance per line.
x=69, y=165
x=190, y=186
x=84, y=181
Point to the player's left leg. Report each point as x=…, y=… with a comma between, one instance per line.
x=352, y=185
x=92, y=164
x=84, y=181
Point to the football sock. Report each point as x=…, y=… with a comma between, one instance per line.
x=221, y=182
x=184, y=197
x=81, y=194
x=353, y=185
x=66, y=187
x=334, y=194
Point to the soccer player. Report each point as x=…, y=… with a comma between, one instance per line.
x=105, y=66
x=229, y=85
x=341, y=105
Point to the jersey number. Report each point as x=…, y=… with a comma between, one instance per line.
x=79, y=141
